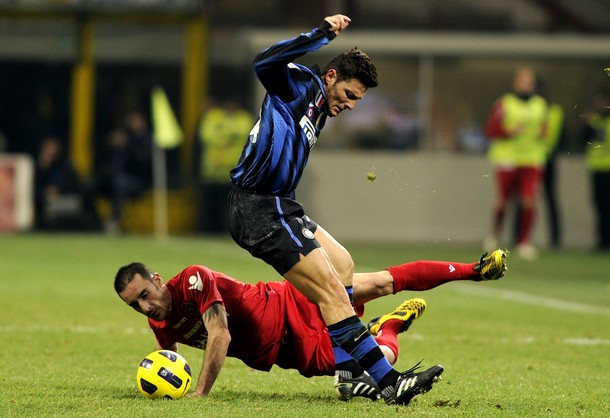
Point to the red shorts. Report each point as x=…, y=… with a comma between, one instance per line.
x=524, y=181
x=306, y=346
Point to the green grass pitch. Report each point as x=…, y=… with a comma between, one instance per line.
x=536, y=343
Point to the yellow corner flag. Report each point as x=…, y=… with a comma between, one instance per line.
x=166, y=130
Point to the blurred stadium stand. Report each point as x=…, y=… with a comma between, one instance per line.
x=442, y=63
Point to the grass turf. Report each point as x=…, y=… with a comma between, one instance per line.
x=533, y=344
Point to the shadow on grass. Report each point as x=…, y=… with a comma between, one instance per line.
x=232, y=395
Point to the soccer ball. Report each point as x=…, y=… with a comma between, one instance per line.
x=164, y=374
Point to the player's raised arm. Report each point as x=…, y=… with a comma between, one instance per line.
x=215, y=322
x=338, y=22
x=271, y=65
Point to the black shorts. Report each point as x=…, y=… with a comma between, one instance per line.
x=272, y=228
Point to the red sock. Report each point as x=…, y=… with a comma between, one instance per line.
x=388, y=335
x=424, y=275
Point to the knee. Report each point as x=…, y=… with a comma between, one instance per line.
x=500, y=203
x=345, y=269
x=528, y=202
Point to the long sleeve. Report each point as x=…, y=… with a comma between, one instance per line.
x=272, y=65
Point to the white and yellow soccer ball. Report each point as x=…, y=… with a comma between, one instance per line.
x=164, y=374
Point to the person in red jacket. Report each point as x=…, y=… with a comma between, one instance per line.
x=518, y=152
x=266, y=324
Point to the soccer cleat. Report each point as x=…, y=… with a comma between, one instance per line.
x=493, y=266
x=362, y=385
x=410, y=384
x=407, y=312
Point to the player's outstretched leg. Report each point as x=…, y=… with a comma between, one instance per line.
x=425, y=275
x=407, y=312
x=493, y=266
x=411, y=384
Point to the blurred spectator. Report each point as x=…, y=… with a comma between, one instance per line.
x=126, y=172
x=597, y=136
x=60, y=202
x=222, y=132
x=380, y=123
x=139, y=148
x=554, y=136
x=516, y=129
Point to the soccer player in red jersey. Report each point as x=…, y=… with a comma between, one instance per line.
x=266, y=324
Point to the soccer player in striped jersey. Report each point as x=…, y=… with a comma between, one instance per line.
x=268, y=221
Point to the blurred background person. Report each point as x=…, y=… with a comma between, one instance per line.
x=126, y=169
x=554, y=136
x=60, y=201
x=221, y=133
x=597, y=136
x=516, y=128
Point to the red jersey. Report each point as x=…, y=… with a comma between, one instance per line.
x=270, y=323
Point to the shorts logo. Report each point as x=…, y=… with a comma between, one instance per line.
x=307, y=233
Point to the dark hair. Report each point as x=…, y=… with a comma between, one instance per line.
x=126, y=274
x=354, y=64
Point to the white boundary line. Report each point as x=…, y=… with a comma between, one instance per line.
x=521, y=297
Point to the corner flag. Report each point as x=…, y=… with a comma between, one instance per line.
x=166, y=130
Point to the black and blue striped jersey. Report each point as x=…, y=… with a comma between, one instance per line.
x=292, y=114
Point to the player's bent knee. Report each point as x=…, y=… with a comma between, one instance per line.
x=346, y=272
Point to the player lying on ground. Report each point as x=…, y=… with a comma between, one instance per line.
x=272, y=323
